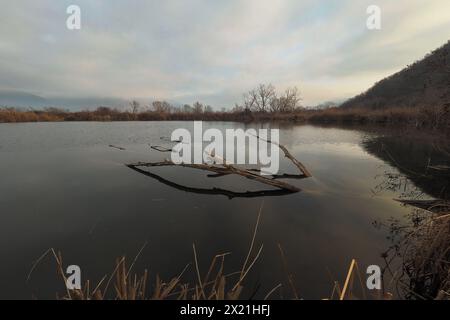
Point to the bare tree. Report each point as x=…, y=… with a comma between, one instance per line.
x=135, y=106
x=288, y=102
x=187, y=108
x=198, y=107
x=260, y=99
x=249, y=101
x=162, y=106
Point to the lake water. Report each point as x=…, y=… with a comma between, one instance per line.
x=63, y=187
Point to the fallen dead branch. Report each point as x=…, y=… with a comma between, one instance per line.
x=224, y=168
x=117, y=147
x=288, y=155
x=213, y=191
x=160, y=149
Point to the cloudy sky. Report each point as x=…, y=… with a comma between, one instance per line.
x=213, y=51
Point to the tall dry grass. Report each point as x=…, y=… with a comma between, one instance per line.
x=424, y=254
x=215, y=284
x=14, y=115
x=123, y=284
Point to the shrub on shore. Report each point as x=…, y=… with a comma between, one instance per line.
x=420, y=117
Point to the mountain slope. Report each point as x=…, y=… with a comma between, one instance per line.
x=425, y=83
x=20, y=99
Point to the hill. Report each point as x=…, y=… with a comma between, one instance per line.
x=425, y=83
x=21, y=99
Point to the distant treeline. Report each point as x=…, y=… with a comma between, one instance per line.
x=262, y=104
x=430, y=117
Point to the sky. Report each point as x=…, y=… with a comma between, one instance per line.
x=212, y=51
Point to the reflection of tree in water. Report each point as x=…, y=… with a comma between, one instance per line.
x=418, y=259
x=423, y=160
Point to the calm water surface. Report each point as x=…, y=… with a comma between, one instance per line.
x=62, y=187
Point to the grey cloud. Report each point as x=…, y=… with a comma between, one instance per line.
x=210, y=50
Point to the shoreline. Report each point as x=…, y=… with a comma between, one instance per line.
x=435, y=118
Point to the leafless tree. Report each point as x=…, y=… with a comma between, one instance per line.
x=135, y=106
x=162, y=106
x=249, y=102
x=187, y=108
x=260, y=99
x=287, y=102
x=198, y=107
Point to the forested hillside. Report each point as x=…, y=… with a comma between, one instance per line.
x=425, y=83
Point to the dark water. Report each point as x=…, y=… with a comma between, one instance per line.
x=62, y=187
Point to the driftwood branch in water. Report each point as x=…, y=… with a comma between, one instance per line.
x=161, y=149
x=304, y=171
x=213, y=191
x=116, y=147
x=223, y=169
x=288, y=155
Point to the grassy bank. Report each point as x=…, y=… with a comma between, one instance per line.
x=429, y=117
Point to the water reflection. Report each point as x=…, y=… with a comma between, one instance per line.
x=423, y=159
x=417, y=259
x=62, y=186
